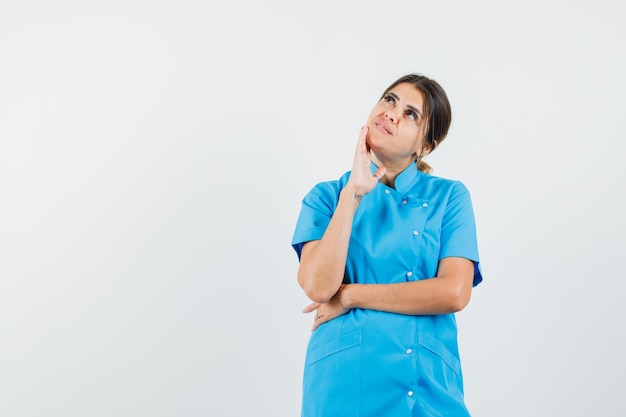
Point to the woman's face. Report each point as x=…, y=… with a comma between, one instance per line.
x=396, y=126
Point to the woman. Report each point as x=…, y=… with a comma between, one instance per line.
x=388, y=254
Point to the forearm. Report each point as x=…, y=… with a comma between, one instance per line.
x=323, y=262
x=414, y=298
x=447, y=293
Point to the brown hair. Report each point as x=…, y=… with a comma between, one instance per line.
x=437, y=111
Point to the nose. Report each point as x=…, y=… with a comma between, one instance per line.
x=391, y=116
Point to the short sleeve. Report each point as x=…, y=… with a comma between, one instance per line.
x=317, y=209
x=458, y=229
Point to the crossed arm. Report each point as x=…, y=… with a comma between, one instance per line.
x=448, y=292
x=322, y=267
x=323, y=262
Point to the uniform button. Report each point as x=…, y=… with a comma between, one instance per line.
x=415, y=233
x=409, y=351
x=410, y=393
x=404, y=202
x=409, y=274
x=425, y=205
x=387, y=191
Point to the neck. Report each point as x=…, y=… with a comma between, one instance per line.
x=392, y=170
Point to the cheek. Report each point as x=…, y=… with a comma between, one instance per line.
x=413, y=135
x=370, y=118
x=377, y=110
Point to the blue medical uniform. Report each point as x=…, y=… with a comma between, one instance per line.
x=370, y=363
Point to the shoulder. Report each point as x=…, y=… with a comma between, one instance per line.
x=330, y=186
x=446, y=186
x=327, y=191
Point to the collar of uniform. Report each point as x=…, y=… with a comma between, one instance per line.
x=405, y=180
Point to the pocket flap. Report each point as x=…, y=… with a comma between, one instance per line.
x=337, y=345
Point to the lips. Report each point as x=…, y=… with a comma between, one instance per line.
x=383, y=127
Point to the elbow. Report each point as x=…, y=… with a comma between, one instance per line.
x=315, y=292
x=317, y=295
x=459, y=298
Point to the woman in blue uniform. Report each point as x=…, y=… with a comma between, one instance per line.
x=388, y=254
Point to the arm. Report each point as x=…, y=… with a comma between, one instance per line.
x=323, y=262
x=448, y=292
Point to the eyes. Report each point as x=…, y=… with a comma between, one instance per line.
x=411, y=114
x=391, y=100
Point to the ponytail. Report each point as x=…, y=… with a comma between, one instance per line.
x=424, y=167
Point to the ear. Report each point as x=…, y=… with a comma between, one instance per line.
x=426, y=149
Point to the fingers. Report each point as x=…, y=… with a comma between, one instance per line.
x=362, y=142
x=380, y=172
x=311, y=307
x=319, y=320
x=363, y=133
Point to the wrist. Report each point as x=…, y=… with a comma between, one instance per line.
x=346, y=295
x=352, y=194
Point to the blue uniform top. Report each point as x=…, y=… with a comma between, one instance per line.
x=371, y=363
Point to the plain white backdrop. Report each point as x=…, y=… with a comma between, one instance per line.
x=153, y=156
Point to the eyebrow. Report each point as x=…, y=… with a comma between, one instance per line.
x=419, y=113
x=395, y=96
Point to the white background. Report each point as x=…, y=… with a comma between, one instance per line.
x=153, y=156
